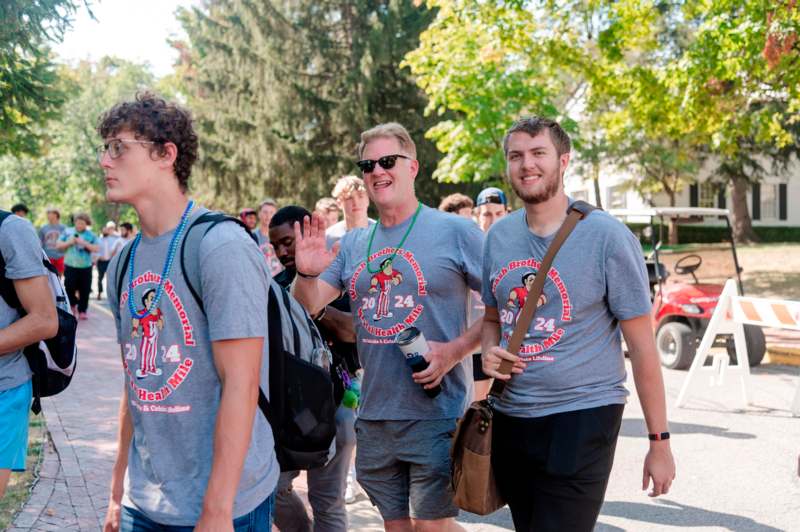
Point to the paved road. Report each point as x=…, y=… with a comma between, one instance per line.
x=737, y=469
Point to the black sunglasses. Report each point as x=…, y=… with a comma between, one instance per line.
x=386, y=162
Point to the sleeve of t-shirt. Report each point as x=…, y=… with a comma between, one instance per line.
x=113, y=302
x=627, y=286
x=235, y=284
x=333, y=274
x=486, y=286
x=21, y=249
x=471, y=247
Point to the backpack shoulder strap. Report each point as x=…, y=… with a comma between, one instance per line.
x=122, y=267
x=211, y=219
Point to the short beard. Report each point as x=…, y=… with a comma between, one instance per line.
x=550, y=190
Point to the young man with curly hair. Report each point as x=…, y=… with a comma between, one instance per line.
x=196, y=450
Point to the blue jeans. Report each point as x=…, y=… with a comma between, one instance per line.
x=259, y=520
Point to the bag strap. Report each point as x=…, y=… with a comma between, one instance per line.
x=576, y=212
x=122, y=268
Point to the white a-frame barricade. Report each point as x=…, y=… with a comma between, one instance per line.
x=730, y=315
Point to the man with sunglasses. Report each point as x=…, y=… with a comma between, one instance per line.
x=403, y=435
x=193, y=451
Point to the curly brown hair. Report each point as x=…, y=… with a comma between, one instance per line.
x=152, y=118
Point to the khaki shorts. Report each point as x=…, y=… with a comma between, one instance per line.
x=404, y=466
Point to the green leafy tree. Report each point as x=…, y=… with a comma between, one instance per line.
x=281, y=90
x=66, y=173
x=29, y=88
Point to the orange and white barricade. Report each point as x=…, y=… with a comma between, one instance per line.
x=730, y=315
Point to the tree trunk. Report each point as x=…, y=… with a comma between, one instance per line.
x=742, y=224
x=673, y=226
x=598, y=202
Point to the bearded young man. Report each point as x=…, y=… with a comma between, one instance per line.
x=557, y=422
x=193, y=451
x=403, y=435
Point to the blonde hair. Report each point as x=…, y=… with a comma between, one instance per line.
x=391, y=130
x=326, y=204
x=346, y=185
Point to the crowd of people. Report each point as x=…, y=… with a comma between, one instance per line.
x=193, y=451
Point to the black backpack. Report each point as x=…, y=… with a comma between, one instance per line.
x=52, y=361
x=301, y=409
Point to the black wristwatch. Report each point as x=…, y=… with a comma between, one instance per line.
x=658, y=436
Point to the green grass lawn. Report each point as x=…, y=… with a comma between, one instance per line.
x=19, y=488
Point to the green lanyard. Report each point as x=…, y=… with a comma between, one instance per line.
x=400, y=245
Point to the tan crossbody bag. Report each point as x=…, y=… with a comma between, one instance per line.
x=472, y=477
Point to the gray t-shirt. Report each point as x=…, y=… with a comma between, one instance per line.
x=23, y=256
x=173, y=386
x=426, y=287
x=573, y=347
x=49, y=235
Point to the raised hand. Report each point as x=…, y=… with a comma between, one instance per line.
x=311, y=254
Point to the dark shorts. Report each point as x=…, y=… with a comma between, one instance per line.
x=477, y=369
x=404, y=466
x=553, y=470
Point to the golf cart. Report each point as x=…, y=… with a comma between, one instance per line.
x=686, y=281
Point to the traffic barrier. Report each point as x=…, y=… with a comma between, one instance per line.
x=730, y=315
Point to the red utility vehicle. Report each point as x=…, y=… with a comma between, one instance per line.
x=686, y=281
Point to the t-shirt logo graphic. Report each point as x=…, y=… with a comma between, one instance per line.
x=545, y=330
x=156, y=372
x=149, y=325
x=383, y=282
x=391, y=300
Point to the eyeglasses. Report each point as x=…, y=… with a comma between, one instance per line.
x=116, y=147
x=387, y=162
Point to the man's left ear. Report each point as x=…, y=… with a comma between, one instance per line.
x=564, y=160
x=170, y=154
x=414, y=168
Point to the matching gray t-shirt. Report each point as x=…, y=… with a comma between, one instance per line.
x=425, y=286
x=23, y=256
x=172, y=382
x=573, y=348
x=49, y=235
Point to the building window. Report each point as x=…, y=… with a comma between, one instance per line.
x=616, y=197
x=707, y=195
x=769, y=202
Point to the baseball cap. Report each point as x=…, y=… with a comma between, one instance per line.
x=491, y=195
x=111, y=225
x=246, y=211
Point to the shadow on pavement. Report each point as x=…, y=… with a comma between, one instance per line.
x=665, y=512
x=501, y=518
x=635, y=428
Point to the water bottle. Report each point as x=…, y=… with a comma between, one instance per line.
x=412, y=343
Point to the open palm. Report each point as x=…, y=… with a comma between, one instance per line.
x=311, y=253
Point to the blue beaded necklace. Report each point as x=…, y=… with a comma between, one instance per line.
x=167, y=265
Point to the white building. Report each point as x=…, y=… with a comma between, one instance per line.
x=775, y=201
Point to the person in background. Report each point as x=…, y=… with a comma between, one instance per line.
x=328, y=209
x=110, y=243
x=351, y=197
x=49, y=235
x=249, y=217
x=126, y=232
x=457, y=204
x=491, y=205
x=79, y=243
x=326, y=485
x=21, y=210
x=25, y=271
x=266, y=211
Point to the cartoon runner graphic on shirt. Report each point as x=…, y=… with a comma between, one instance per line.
x=518, y=295
x=150, y=324
x=383, y=281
